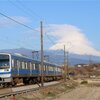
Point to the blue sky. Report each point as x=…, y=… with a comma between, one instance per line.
x=82, y=14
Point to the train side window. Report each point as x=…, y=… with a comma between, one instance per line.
x=33, y=66
x=23, y=65
x=30, y=65
x=59, y=69
x=37, y=66
x=44, y=67
x=53, y=68
x=50, y=68
x=15, y=64
x=47, y=68
x=20, y=65
x=12, y=62
x=56, y=69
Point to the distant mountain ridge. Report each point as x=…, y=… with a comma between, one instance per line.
x=56, y=56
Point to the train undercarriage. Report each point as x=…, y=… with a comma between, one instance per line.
x=18, y=81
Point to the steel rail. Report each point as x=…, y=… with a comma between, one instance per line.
x=18, y=92
x=24, y=91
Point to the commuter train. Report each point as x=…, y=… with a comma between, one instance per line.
x=17, y=69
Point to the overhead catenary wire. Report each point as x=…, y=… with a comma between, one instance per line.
x=49, y=38
x=29, y=11
x=26, y=26
x=52, y=42
x=18, y=22
x=24, y=9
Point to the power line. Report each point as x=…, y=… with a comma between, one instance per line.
x=29, y=10
x=16, y=42
x=18, y=22
x=49, y=37
x=52, y=42
x=24, y=9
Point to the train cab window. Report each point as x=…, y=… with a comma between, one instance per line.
x=4, y=62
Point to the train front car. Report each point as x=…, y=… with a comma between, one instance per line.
x=5, y=68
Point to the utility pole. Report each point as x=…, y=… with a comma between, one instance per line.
x=90, y=60
x=64, y=64
x=67, y=69
x=42, y=54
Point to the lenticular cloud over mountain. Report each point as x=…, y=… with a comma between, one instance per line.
x=73, y=38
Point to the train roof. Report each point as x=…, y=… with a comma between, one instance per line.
x=23, y=57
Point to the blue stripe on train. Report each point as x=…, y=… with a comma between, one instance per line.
x=27, y=71
x=5, y=73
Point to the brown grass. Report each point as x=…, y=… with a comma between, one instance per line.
x=50, y=91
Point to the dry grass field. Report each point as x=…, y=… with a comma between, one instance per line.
x=70, y=90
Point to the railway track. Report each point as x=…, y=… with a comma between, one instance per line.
x=5, y=93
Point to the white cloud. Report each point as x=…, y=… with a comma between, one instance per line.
x=5, y=22
x=73, y=38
